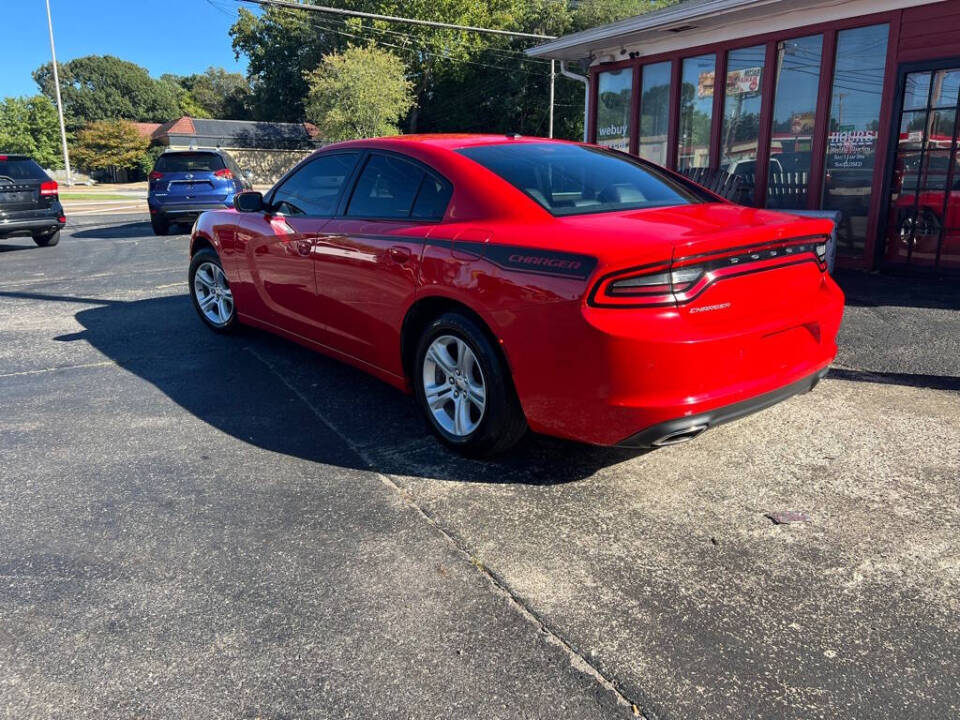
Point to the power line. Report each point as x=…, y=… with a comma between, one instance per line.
x=420, y=50
x=395, y=18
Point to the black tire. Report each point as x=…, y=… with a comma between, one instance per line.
x=502, y=423
x=160, y=225
x=201, y=257
x=47, y=239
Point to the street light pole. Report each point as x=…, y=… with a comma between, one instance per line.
x=56, y=87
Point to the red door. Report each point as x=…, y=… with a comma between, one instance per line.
x=280, y=259
x=368, y=261
x=280, y=286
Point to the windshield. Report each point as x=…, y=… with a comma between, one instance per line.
x=13, y=169
x=188, y=162
x=577, y=180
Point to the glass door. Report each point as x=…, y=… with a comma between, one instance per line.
x=923, y=211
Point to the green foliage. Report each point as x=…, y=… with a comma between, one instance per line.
x=280, y=46
x=361, y=92
x=109, y=143
x=102, y=87
x=214, y=93
x=462, y=81
x=149, y=158
x=30, y=126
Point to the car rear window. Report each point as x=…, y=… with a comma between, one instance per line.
x=13, y=169
x=578, y=180
x=188, y=162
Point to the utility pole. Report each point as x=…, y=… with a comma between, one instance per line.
x=56, y=86
x=552, y=77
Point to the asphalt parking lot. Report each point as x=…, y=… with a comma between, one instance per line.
x=197, y=526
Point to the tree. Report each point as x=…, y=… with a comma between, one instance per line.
x=462, y=80
x=103, y=87
x=30, y=126
x=280, y=46
x=109, y=143
x=361, y=92
x=213, y=93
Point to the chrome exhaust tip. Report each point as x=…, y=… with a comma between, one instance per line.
x=680, y=436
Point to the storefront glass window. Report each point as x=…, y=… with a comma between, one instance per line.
x=741, y=115
x=853, y=132
x=654, y=111
x=696, y=111
x=614, y=91
x=794, y=120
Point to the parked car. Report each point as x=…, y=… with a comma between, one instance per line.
x=29, y=201
x=185, y=183
x=517, y=282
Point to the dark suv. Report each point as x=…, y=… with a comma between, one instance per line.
x=185, y=183
x=29, y=201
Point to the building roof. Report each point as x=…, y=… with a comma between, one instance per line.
x=206, y=132
x=701, y=22
x=146, y=129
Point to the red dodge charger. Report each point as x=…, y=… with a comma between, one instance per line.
x=514, y=282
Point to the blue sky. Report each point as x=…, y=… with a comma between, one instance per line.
x=176, y=36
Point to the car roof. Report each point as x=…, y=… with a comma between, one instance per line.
x=14, y=156
x=215, y=151
x=449, y=141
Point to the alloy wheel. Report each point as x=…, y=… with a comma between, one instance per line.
x=212, y=291
x=453, y=386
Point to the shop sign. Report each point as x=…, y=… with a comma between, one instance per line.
x=851, y=149
x=705, y=85
x=744, y=82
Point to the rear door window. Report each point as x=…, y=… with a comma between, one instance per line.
x=189, y=162
x=19, y=169
x=315, y=188
x=432, y=199
x=386, y=189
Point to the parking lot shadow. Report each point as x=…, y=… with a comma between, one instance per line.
x=115, y=232
x=276, y=395
x=908, y=291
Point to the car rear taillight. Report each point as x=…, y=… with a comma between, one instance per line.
x=49, y=189
x=155, y=175
x=224, y=173
x=685, y=278
x=3, y=157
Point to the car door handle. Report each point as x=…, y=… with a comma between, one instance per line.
x=399, y=253
x=303, y=247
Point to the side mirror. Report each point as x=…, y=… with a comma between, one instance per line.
x=250, y=201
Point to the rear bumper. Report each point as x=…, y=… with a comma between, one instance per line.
x=42, y=223
x=182, y=212
x=672, y=432
x=633, y=377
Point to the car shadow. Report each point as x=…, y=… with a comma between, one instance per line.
x=27, y=245
x=115, y=232
x=281, y=397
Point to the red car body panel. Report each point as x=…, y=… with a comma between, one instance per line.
x=582, y=370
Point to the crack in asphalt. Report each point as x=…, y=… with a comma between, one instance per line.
x=500, y=586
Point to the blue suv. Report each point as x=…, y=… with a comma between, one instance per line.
x=185, y=183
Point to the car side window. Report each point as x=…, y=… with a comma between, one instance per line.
x=432, y=199
x=386, y=188
x=315, y=188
